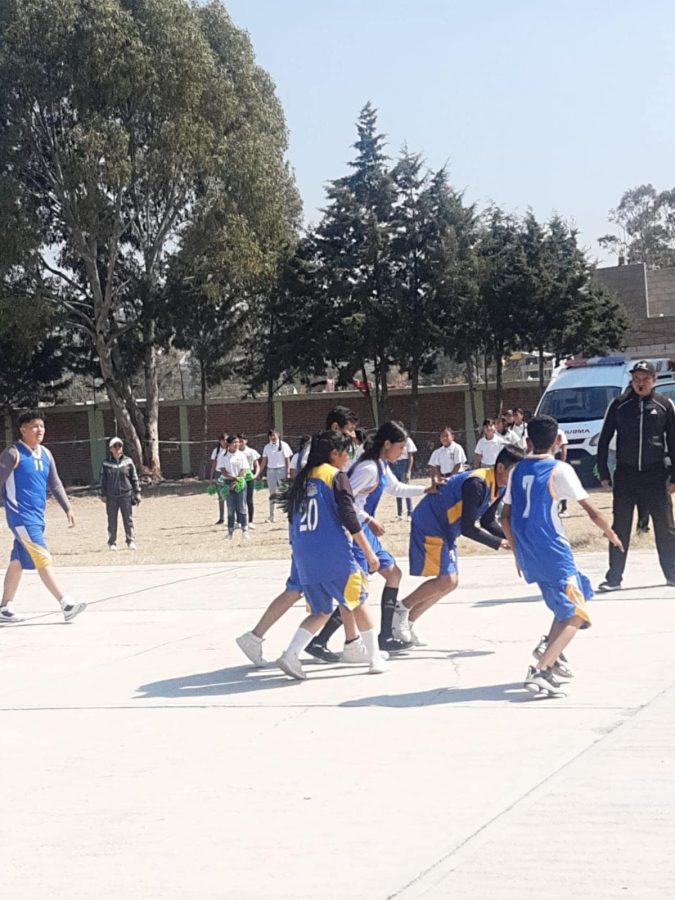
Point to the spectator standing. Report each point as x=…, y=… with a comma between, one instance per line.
x=644, y=424
x=489, y=446
x=300, y=456
x=275, y=464
x=233, y=470
x=120, y=491
x=449, y=458
x=253, y=458
x=217, y=456
x=561, y=455
x=402, y=469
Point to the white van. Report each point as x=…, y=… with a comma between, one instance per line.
x=578, y=396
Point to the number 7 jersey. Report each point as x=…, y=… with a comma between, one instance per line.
x=536, y=485
x=322, y=552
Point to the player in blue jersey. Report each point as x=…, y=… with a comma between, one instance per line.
x=532, y=525
x=342, y=421
x=466, y=504
x=370, y=477
x=27, y=472
x=322, y=518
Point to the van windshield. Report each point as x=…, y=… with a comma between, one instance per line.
x=582, y=404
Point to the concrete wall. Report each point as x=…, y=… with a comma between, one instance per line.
x=78, y=435
x=648, y=296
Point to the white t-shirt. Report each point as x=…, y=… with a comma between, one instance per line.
x=563, y=441
x=277, y=454
x=446, y=458
x=408, y=448
x=490, y=450
x=235, y=463
x=218, y=455
x=564, y=481
x=251, y=455
x=366, y=477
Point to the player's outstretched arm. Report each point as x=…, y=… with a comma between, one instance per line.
x=601, y=522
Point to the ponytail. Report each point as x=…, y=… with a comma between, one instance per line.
x=320, y=449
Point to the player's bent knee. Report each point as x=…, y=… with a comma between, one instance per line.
x=446, y=583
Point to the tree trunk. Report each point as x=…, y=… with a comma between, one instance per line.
x=121, y=413
x=151, y=400
x=414, y=397
x=369, y=396
x=270, y=403
x=472, y=397
x=383, y=394
x=205, y=418
x=499, y=360
x=541, y=371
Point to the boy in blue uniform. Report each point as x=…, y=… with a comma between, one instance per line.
x=321, y=514
x=467, y=504
x=27, y=472
x=532, y=525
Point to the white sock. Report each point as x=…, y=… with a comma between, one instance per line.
x=301, y=638
x=370, y=640
x=402, y=610
x=66, y=600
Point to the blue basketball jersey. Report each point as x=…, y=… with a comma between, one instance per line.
x=25, y=493
x=375, y=495
x=441, y=513
x=542, y=549
x=322, y=551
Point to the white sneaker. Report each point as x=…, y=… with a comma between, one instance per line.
x=71, y=609
x=378, y=665
x=251, y=526
x=400, y=627
x=112, y=548
x=416, y=642
x=8, y=616
x=251, y=646
x=244, y=533
x=355, y=653
x=132, y=545
x=291, y=665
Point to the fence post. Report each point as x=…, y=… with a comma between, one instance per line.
x=97, y=448
x=184, y=427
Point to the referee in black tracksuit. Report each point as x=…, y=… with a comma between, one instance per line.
x=120, y=490
x=644, y=423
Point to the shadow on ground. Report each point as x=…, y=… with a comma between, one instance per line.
x=512, y=693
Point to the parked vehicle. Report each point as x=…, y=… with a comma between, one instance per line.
x=578, y=396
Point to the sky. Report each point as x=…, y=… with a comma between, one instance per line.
x=556, y=107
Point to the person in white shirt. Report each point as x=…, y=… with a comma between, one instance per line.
x=449, y=458
x=234, y=465
x=561, y=454
x=402, y=469
x=300, y=456
x=276, y=459
x=253, y=458
x=488, y=447
x=519, y=428
x=216, y=464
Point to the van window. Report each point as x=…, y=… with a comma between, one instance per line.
x=668, y=390
x=582, y=404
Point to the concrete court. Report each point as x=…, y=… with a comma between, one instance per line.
x=143, y=759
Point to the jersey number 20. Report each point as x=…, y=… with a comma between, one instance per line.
x=310, y=517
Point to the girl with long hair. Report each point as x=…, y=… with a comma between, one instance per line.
x=370, y=477
x=321, y=511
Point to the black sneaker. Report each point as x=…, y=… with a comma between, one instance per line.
x=7, y=617
x=392, y=645
x=606, y=586
x=543, y=681
x=320, y=651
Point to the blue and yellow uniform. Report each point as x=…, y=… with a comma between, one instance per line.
x=323, y=559
x=437, y=523
x=25, y=499
x=384, y=557
x=543, y=552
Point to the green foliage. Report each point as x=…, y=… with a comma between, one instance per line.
x=645, y=218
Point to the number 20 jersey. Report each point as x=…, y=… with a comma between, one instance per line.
x=542, y=549
x=322, y=552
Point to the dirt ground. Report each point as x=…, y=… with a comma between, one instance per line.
x=175, y=524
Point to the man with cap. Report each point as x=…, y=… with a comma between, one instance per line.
x=120, y=490
x=644, y=424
